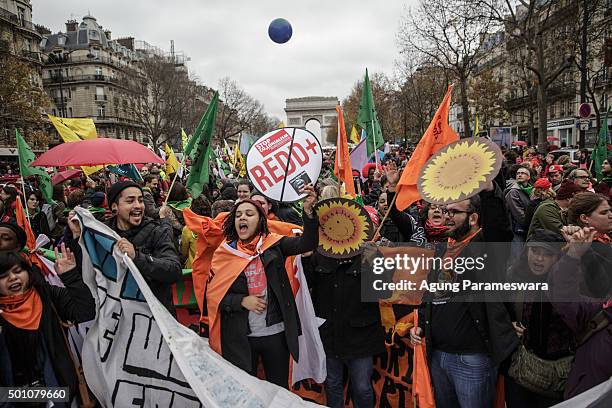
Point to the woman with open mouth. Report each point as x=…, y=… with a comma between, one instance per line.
x=33, y=347
x=249, y=295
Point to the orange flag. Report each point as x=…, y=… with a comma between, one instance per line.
x=342, y=167
x=437, y=135
x=22, y=221
x=422, y=390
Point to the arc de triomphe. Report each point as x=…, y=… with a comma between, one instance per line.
x=320, y=108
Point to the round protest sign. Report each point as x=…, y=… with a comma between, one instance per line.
x=283, y=161
x=459, y=171
x=344, y=227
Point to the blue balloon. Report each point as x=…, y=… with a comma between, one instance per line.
x=280, y=31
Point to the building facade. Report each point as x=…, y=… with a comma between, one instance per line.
x=87, y=74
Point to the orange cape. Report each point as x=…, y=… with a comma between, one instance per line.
x=210, y=236
x=227, y=264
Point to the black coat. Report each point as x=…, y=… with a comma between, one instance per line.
x=491, y=319
x=281, y=303
x=352, y=328
x=156, y=256
x=73, y=303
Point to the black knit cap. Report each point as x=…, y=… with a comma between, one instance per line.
x=117, y=188
x=19, y=233
x=550, y=240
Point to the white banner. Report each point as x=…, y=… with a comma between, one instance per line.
x=137, y=355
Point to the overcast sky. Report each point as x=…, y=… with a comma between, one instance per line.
x=332, y=44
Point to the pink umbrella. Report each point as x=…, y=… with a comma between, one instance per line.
x=519, y=143
x=98, y=151
x=65, y=175
x=552, y=139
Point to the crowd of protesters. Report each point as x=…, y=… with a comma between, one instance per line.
x=554, y=215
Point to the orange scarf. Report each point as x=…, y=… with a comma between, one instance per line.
x=22, y=311
x=603, y=238
x=249, y=248
x=454, y=248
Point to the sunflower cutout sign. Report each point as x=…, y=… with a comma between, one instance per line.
x=344, y=227
x=459, y=171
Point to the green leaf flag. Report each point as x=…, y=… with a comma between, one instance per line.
x=198, y=175
x=367, y=118
x=26, y=157
x=600, y=152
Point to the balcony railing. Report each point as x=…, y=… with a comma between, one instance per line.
x=100, y=98
x=58, y=100
x=31, y=55
x=19, y=22
x=81, y=78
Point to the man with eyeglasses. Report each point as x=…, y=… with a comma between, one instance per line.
x=581, y=177
x=467, y=341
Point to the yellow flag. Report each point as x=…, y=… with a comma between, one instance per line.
x=75, y=130
x=172, y=164
x=354, y=136
x=184, y=139
x=476, y=127
x=239, y=162
x=281, y=125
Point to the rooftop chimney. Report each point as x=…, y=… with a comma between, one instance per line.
x=71, y=25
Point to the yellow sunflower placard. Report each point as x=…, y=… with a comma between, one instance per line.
x=344, y=227
x=459, y=170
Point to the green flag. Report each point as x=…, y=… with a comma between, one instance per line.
x=600, y=152
x=367, y=118
x=198, y=175
x=26, y=157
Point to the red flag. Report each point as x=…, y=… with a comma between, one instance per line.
x=342, y=168
x=437, y=135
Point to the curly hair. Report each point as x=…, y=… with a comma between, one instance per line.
x=229, y=225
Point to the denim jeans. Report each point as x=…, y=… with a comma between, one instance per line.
x=360, y=373
x=463, y=380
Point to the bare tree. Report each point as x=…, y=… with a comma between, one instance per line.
x=447, y=33
x=538, y=34
x=237, y=110
x=421, y=87
x=383, y=92
x=162, y=100
x=263, y=124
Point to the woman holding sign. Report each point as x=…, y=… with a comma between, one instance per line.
x=249, y=298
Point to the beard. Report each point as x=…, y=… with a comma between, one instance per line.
x=460, y=230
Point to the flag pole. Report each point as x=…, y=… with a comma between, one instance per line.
x=23, y=186
x=377, y=233
x=174, y=179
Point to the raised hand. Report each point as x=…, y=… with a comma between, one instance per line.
x=310, y=199
x=64, y=260
x=73, y=224
x=579, y=240
x=392, y=174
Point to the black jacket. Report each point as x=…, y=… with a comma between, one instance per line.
x=73, y=303
x=281, y=303
x=352, y=328
x=491, y=319
x=156, y=256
